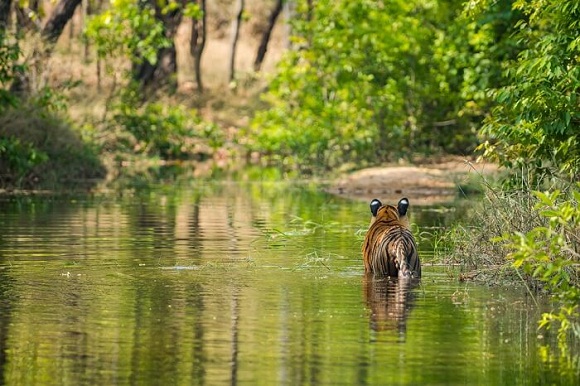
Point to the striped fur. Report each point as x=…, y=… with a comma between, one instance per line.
x=389, y=248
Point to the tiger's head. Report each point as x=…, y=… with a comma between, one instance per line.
x=390, y=212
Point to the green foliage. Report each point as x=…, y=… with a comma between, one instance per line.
x=9, y=67
x=472, y=52
x=128, y=28
x=535, y=125
x=372, y=81
x=163, y=130
x=334, y=95
x=39, y=148
x=550, y=253
x=18, y=159
x=193, y=10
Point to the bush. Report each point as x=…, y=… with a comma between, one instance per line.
x=9, y=67
x=18, y=161
x=535, y=127
x=169, y=132
x=371, y=82
x=534, y=237
x=39, y=148
x=550, y=253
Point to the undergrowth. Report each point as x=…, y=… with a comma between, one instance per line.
x=39, y=148
x=526, y=236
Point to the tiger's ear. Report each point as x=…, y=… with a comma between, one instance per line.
x=402, y=206
x=375, y=205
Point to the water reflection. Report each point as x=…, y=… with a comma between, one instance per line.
x=235, y=312
x=5, y=318
x=237, y=283
x=390, y=301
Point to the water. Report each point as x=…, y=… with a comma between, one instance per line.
x=242, y=283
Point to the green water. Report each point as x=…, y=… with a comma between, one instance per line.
x=243, y=283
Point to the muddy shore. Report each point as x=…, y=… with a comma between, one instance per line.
x=423, y=184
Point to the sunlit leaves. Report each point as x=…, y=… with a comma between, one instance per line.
x=361, y=85
x=9, y=67
x=193, y=10
x=129, y=28
x=535, y=125
x=551, y=254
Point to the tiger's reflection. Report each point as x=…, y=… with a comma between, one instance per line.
x=389, y=302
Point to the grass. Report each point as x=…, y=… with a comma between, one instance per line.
x=470, y=245
x=479, y=246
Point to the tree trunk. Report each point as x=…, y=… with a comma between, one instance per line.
x=87, y=11
x=235, y=36
x=55, y=24
x=25, y=82
x=197, y=43
x=4, y=13
x=159, y=73
x=24, y=20
x=266, y=36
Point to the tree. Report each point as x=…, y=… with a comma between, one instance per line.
x=198, y=16
x=535, y=126
x=236, y=24
x=27, y=15
x=159, y=71
x=50, y=32
x=58, y=19
x=142, y=32
x=4, y=13
x=266, y=35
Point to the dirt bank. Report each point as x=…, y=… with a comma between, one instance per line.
x=424, y=184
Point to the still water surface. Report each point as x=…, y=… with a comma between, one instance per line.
x=241, y=283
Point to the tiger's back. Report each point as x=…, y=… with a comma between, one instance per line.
x=389, y=248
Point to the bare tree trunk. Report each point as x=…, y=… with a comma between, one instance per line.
x=4, y=13
x=266, y=36
x=55, y=24
x=235, y=36
x=197, y=43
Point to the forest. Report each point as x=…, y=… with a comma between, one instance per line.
x=90, y=89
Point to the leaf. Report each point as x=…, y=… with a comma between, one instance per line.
x=543, y=197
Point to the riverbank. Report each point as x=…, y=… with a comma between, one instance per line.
x=426, y=182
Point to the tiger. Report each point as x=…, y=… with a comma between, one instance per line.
x=389, y=302
x=389, y=248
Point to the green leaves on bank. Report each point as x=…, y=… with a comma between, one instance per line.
x=535, y=125
x=550, y=253
x=369, y=81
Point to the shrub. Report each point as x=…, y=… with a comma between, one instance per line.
x=39, y=148
x=535, y=126
x=534, y=237
x=9, y=67
x=550, y=253
x=169, y=132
